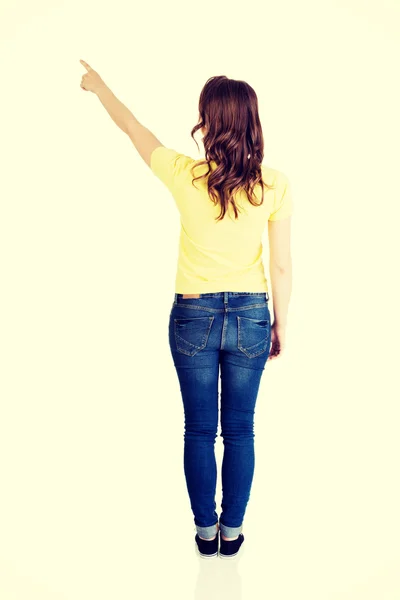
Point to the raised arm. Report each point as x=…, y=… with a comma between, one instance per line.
x=142, y=138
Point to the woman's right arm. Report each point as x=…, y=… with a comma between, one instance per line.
x=280, y=269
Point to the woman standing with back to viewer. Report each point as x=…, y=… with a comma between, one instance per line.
x=220, y=316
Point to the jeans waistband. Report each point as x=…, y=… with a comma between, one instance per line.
x=224, y=295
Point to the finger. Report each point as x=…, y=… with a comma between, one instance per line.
x=85, y=64
x=274, y=353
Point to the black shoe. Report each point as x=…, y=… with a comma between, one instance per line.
x=231, y=549
x=206, y=548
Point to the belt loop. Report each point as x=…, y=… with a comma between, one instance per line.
x=226, y=297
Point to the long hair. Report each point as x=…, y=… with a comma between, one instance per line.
x=228, y=110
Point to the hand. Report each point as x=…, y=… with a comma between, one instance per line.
x=91, y=81
x=277, y=341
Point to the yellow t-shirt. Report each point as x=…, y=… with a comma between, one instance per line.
x=225, y=255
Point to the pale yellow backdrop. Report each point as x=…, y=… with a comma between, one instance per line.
x=93, y=500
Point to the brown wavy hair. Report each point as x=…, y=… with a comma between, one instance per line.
x=228, y=110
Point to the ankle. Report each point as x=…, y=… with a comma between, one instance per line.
x=226, y=539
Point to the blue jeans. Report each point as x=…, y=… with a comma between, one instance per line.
x=231, y=329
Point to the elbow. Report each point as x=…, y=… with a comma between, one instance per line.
x=282, y=267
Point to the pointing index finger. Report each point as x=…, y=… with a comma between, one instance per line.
x=88, y=67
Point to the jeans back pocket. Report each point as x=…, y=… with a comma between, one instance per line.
x=254, y=336
x=191, y=334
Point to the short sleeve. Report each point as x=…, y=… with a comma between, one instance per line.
x=283, y=199
x=169, y=165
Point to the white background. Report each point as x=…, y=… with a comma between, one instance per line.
x=93, y=500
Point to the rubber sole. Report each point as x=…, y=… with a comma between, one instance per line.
x=238, y=555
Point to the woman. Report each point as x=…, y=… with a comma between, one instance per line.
x=220, y=318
